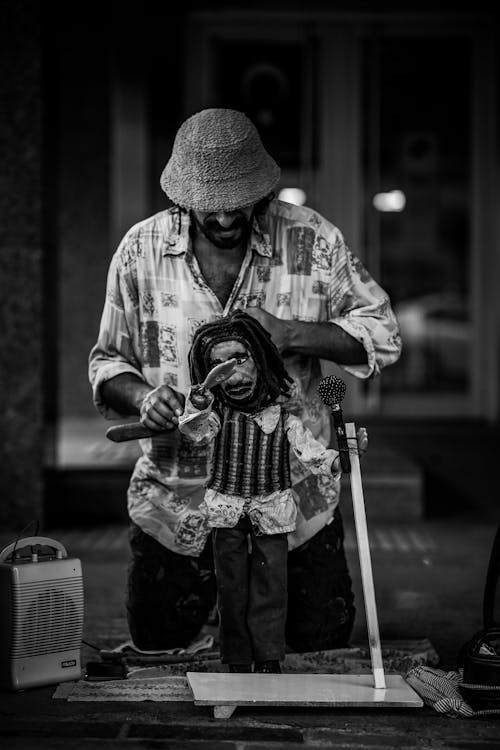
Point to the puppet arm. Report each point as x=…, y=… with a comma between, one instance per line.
x=200, y=425
x=310, y=452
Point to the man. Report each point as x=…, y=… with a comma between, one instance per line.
x=228, y=244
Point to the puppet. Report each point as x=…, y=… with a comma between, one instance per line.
x=249, y=501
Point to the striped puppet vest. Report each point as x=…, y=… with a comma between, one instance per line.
x=247, y=462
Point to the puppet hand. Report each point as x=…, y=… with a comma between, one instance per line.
x=362, y=438
x=279, y=329
x=161, y=408
x=200, y=397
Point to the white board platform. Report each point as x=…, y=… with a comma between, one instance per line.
x=338, y=690
x=225, y=691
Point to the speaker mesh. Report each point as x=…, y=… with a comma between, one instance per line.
x=47, y=616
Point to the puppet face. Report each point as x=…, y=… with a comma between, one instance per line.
x=242, y=384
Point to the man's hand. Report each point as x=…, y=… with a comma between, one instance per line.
x=161, y=408
x=279, y=329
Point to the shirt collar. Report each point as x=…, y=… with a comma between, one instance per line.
x=177, y=234
x=267, y=418
x=260, y=240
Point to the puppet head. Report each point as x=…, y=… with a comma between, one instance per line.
x=260, y=376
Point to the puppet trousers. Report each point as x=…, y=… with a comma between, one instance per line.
x=251, y=593
x=170, y=596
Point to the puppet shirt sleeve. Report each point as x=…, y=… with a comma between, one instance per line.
x=310, y=452
x=199, y=425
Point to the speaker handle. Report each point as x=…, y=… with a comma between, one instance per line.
x=30, y=541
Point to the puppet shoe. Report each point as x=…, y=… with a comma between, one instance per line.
x=238, y=668
x=268, y=667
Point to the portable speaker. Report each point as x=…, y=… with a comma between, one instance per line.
x=41, y=614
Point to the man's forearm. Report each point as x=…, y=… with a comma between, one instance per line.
x=325, y=340
x=125, y=393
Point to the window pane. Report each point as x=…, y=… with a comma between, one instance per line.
x=417, y=141
x=265, y=81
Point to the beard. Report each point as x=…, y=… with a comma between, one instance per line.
x=225, y=239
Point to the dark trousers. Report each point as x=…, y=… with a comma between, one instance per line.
x=170, y=596
x=251, y=593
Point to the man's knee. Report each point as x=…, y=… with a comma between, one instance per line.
x=320, y=597
x=169, y=596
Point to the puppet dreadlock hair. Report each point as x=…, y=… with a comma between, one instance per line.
x=273, y=378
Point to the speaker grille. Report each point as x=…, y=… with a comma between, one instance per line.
x=47, y=616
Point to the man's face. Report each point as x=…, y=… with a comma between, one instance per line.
x=224, y=229
x=241, y=385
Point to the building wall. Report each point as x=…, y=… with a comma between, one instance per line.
x=80, y=85
x=56, y=224
x=21, y=251
x=111, y=80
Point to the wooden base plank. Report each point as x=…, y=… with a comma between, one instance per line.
x=224, y=712
x=221, y=689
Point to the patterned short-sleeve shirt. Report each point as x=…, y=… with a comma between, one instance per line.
x=297, y=267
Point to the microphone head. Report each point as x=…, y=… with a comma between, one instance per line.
x=331, y=390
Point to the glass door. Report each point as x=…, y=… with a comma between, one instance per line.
x=420, y=152
x=386, y=126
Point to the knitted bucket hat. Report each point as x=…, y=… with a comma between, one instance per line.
x=218, y=163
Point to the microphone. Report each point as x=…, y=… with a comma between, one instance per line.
x=331, y=390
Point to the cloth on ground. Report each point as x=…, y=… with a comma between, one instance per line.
x=441, y=691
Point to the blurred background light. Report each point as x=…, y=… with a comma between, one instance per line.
x=293, y=195
x=394, y=200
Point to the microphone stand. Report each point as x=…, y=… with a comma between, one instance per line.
x=338, y=423
x=332, y=390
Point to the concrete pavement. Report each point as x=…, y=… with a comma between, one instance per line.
x=429, y=580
